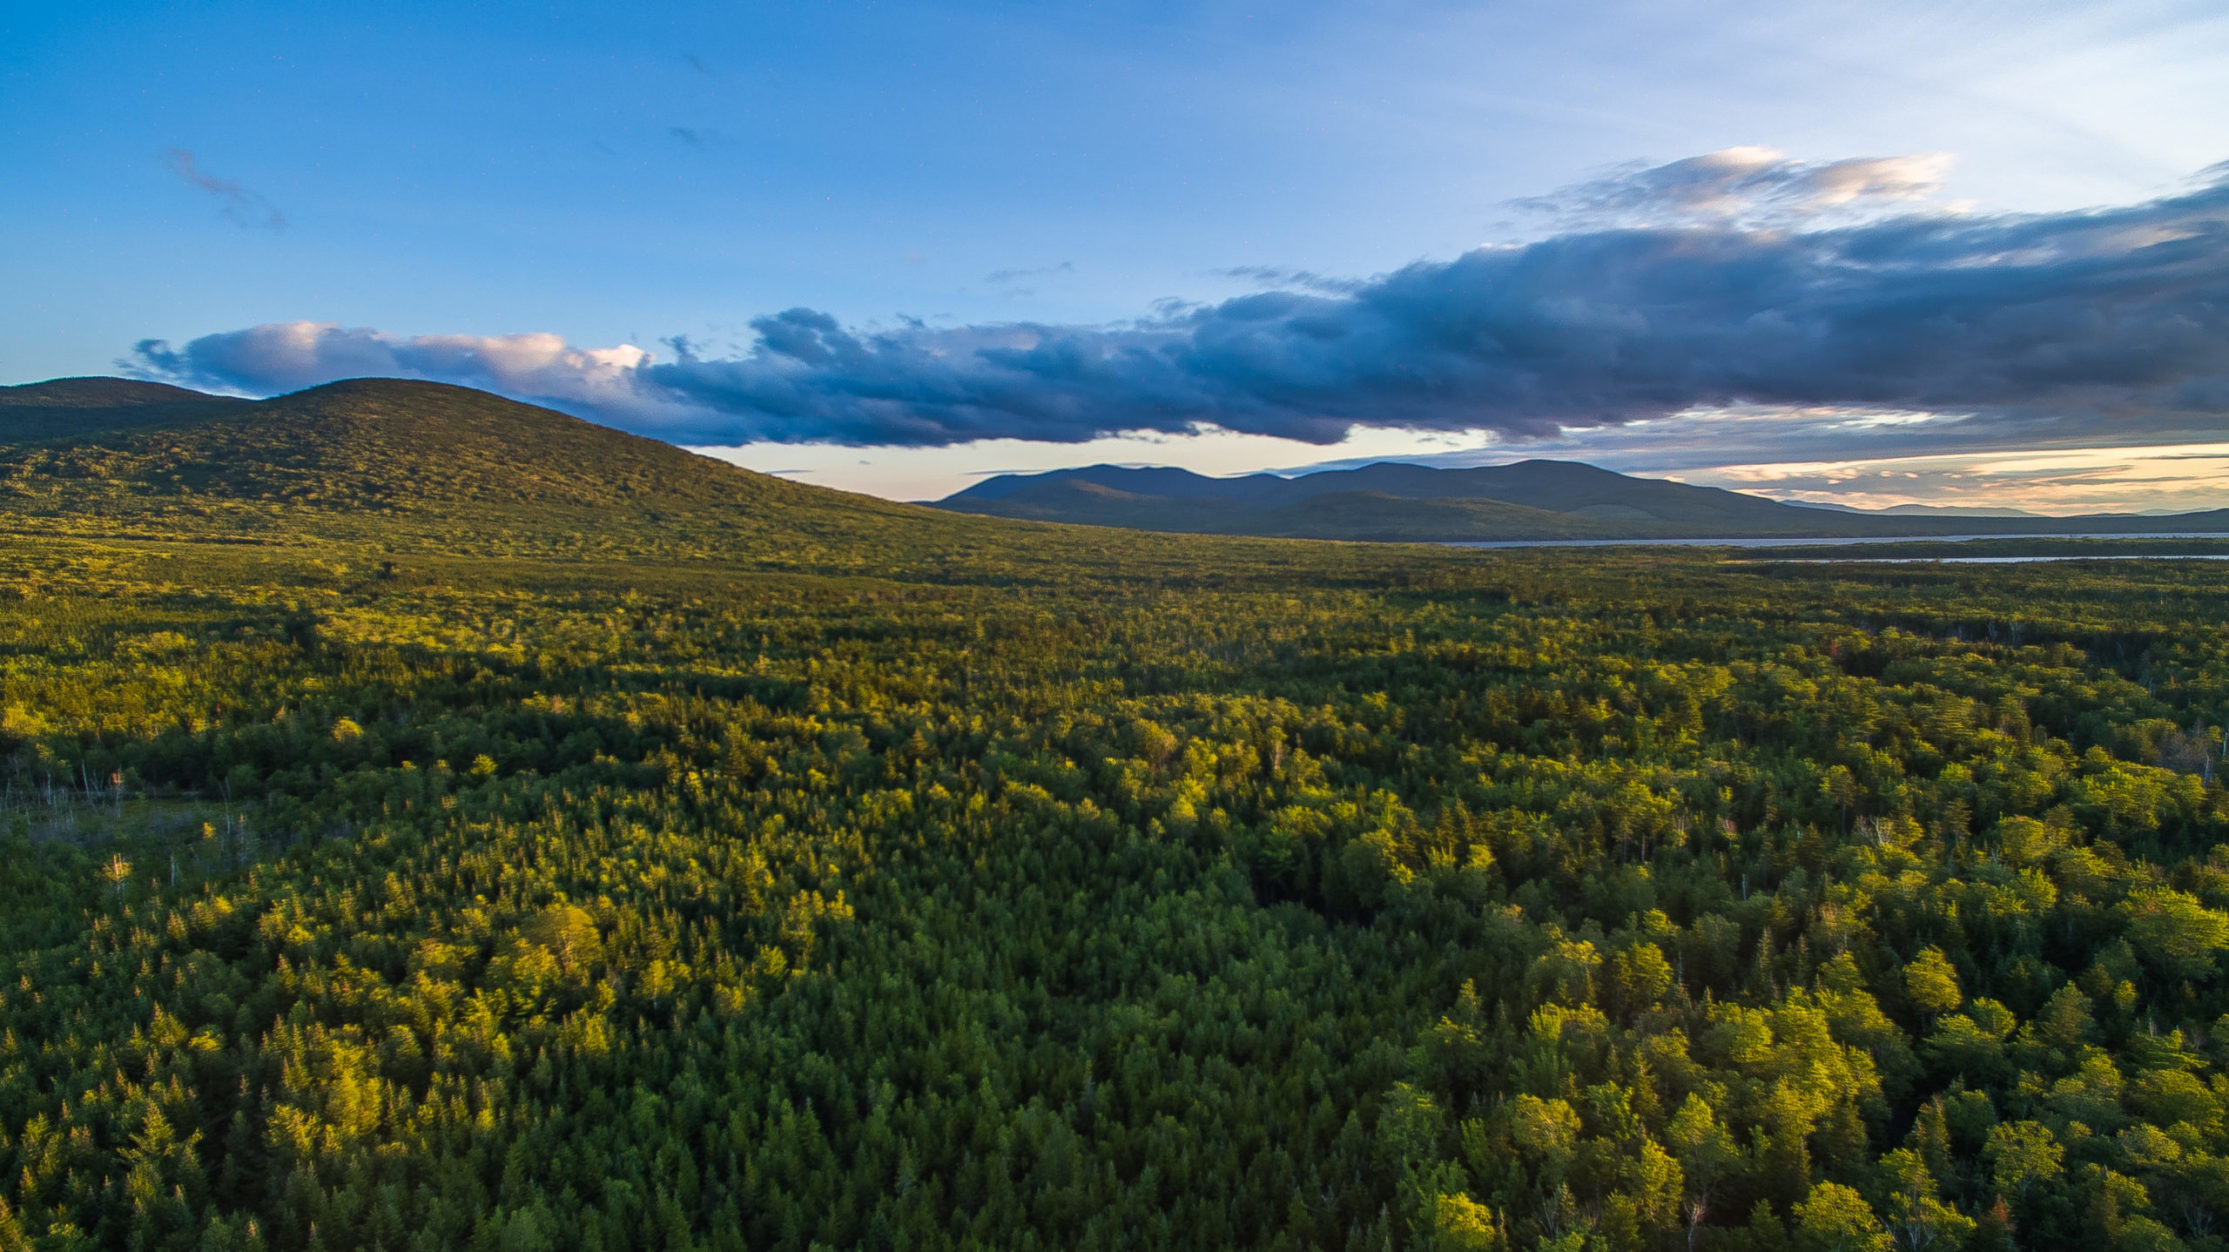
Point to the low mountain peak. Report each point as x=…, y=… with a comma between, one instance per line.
x=100, y=393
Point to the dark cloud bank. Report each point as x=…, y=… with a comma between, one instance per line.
x=1757, y=282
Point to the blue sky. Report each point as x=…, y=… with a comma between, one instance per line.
x=889, y=247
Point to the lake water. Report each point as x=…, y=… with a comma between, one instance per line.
x=1847, y=542
x=2000, y=560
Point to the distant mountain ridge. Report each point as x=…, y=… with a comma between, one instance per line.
x=1917, y=510
x=1528, y=500
x=406, y=464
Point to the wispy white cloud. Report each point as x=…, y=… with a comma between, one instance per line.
x=1752, y=186
x=1008, y=277
x=240, y=206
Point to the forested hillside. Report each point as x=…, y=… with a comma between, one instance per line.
x=1057, y=888
x=412, y=466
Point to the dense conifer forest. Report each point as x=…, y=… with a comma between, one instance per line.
x=964, y=883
